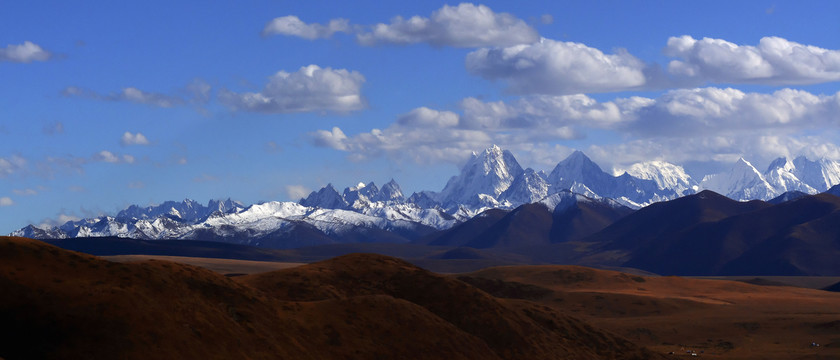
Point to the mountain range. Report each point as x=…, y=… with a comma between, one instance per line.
x=575, y=200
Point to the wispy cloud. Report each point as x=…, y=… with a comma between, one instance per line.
x=53, y=128
x=128, y=94
x=295, y=192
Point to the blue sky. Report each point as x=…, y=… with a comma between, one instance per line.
x=105, y=104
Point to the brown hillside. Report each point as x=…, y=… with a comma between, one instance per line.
x=513, y=331
x=723, y=319
x=61, y=304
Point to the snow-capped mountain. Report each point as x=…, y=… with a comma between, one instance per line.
x=820, y=175
x=743, y=182
x=666, y=176
x=530, y=186
x=578, y=171
x=490, y=179
x=489, y=173
x=781, y=176
x=186, y=210
x=328, y=197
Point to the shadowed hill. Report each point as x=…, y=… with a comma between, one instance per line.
x=61, y=304
x=798, y=237
x=531, y=332
x=533, y=225
x=650, y=224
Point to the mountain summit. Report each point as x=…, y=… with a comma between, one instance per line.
x=489, y=173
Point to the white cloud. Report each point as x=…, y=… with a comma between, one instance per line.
x=106, y=156
x=705, y=124
x=6, y=201
x=311, y=88
x=425, y=117
x=295, y=192
x=292, y=26
x=128, y=94
x=465, y=25
x=704, y=111
x=775, y=61
x=334, y=138
x=24, y=53
x=134, y=139
x=11, y=165
x=109, y=157
x=557, y=67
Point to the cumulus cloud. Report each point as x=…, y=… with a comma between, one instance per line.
x=557, y=67
x=311, y=88
x=774, y=61
x=295, y=192
x=704, y=111
x=465, y=25
x=6, y=201
x=704, y=124
x=427, y=135
x=128, y=94
x=133, y=139
x=24, y=53
x=106, y=156
x=292, y=26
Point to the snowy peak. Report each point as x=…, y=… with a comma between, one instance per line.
x=577, y=167
x=529, y=187
x=490, y=173
x=361, y=193
x=327, y=198
x=187, y=210
x=820, y=175
x=743, y=182
x=666, y=176
x=781, y=176
x=390, y=192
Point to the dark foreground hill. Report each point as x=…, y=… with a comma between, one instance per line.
x=56, y=303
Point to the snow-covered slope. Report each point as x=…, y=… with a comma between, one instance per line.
x=490, y=173
x=742, y=182
x=328, y=197
x=580, y=174
x=781, y=176
x=820, y=175
x=526, y=188
x=666, y=176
